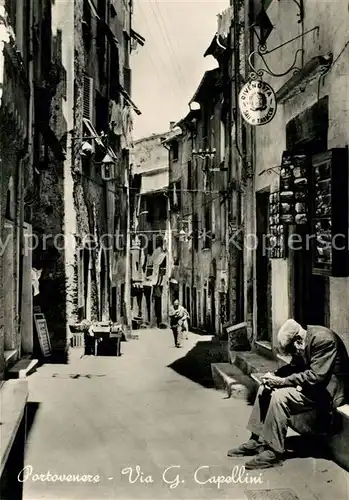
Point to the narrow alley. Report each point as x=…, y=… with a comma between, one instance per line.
x=153, y=407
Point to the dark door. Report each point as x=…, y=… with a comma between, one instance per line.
x=263, y=271
x=213, y=307
x=188, y=301
x=195, y=309
x=309, y=290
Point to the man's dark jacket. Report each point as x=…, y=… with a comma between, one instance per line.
x=323, y=372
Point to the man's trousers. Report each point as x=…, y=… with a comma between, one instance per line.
x=271, y=423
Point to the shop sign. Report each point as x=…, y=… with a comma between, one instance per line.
x=257, y=102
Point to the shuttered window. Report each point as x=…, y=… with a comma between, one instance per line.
x=88, y=98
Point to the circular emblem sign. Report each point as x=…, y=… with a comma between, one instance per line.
x=257, y=102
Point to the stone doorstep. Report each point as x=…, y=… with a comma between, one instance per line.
x=253, y=362
x=232, y=380
x=23, y=368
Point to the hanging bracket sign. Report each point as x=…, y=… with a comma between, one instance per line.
x=257, y=102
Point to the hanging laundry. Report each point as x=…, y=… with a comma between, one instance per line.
x=224, y=22
x=116, y=123
x=127, y=128
x=36, y=274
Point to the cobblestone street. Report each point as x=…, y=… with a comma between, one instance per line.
x=154, y=407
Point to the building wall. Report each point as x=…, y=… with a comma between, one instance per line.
x=150, y=223
x=15, y=168
x=149, y=154
x=203, y=269
x=332, y=19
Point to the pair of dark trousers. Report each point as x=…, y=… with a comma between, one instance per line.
x=270, y=423
x=177, y=334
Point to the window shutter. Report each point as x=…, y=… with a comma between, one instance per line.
x=88, y=98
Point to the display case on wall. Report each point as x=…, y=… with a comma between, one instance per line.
x=330, y=213
x=277, y=239
x=294, y=188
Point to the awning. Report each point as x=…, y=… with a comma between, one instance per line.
x=51, y=140
x=129, y=100
x=140, y=39
x=93, y=132
x=156, y=183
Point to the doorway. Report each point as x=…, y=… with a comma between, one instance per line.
x=195, y=308
x=307, y=134
x=310, y=291
x=263, y=270
x=212, y=287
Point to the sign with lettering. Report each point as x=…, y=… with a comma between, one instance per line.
x=257, y=102
x=43, y=335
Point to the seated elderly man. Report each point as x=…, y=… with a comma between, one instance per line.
x=313, y=380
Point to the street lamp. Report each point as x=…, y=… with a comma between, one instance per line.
x=182, y=235
x=107, y=168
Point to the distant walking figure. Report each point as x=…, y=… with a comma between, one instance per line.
x=178, y=318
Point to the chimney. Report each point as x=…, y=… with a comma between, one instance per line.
x=172, y=124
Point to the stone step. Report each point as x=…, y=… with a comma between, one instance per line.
x=232, y=380
x=23, y=368
x=253, y=362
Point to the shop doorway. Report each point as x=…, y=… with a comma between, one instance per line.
x=263, y=270
x=195, y=309
x=307, y=134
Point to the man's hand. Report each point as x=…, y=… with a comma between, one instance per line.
x=271, y=381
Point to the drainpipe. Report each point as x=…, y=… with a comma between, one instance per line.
x=193, y=214
x=127, y=289
x=249, y=201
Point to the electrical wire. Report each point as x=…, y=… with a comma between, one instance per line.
x=159, y=55
x=168, y=39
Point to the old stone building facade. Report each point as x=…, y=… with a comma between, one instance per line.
x=150, y=250
x=198, y=206
x=16, y=179
x=66, y=136
x=308, y=280
x=86, y=194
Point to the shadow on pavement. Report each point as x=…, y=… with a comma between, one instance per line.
x=196, y=364
x=32, y=409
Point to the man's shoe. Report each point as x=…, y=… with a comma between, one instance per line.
x=264, y=460
x=248, y=449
